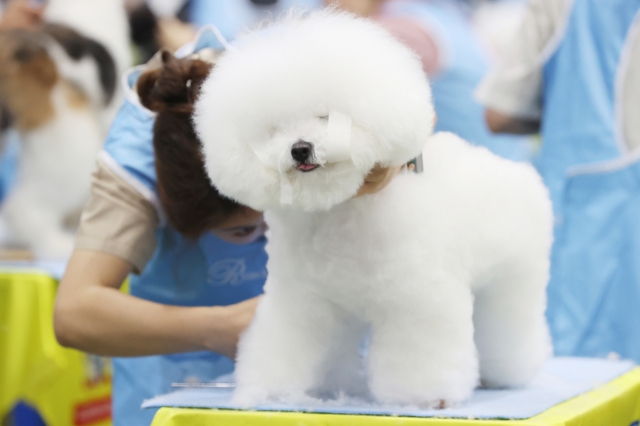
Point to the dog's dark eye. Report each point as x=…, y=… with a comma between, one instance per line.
x=22, y=54
x=324, y=117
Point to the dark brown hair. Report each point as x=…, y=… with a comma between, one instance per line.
x=192, y=204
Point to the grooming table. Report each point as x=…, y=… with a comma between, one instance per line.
x=568, y=391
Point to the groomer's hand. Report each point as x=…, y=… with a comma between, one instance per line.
x=377, y=179
x=227, y=323
x=93, y=315
x=21, y=14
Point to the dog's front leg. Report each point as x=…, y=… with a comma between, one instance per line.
x=282, y=354
x=422, y=350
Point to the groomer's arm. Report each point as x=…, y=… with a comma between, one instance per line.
x=93, y=315
x=502, y=123
x=513, y=91
x=116, y=237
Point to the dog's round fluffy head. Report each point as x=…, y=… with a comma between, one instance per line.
x=264, y=114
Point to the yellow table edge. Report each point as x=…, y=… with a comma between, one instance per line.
x=615, y=403
x=55, y=383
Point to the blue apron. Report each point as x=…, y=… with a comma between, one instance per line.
x=464, y=66
x=594, y=298
x=182, y=272
x=9, y=162
x=594, y=292
x=233, y=16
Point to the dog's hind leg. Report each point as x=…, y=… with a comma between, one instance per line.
x=422, y=350
x=511, y=332
x=282, y=354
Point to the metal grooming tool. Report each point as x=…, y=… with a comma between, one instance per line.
x=417, y=164
x=203, y=385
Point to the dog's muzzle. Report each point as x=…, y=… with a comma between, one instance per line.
x=302, y=153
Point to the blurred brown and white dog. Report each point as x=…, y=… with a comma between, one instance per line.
x=60, y=88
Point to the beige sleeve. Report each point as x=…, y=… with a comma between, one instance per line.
x=514, y=87
x=630, y=87
x=118, y=220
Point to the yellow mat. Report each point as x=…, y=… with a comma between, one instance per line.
x=67, y=387
x=616, y=403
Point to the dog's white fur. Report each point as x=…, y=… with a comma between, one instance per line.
x=447, y=269
x=53, y=179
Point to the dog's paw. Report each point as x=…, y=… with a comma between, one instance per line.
x=425, y=398
x=249, y=397
x=438, y=404
x=429, y=394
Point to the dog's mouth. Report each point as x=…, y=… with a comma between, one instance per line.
x=306, y=167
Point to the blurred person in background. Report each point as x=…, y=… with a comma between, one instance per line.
x=232, y=16
x=20, y=14
x=573, y=73
x=170, y=24
x=497, y=23
x=441, y=32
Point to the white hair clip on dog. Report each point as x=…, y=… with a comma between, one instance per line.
x=446, y=269
x=338, y=145
x=286, y=189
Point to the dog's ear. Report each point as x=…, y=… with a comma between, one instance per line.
x=78, y=46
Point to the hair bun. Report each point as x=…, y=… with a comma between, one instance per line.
x=174, y=85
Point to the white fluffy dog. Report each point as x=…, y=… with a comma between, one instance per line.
x=446, y=269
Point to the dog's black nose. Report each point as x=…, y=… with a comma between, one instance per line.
x=301, y=151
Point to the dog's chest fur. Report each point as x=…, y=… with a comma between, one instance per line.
x=353, y=253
